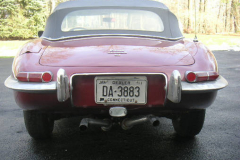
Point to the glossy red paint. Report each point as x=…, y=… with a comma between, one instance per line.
x=32, y=47
x=153, y=53
x=204, y=61
x=39, y=101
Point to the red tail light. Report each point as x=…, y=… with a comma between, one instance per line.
x=200, y=76
x=47, y=77
x=191, y=77
x=213, y=76
x=34, y=76
x=22, y=76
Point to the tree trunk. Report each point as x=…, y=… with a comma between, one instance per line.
x=205, y=5
x=220, y=7
x=52, y=5
x=204, y=22
x=189, y=15
x=231, y=17
x=226, y=15
x=236, y=15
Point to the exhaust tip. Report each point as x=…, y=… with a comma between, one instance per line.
x=83, y=128
x=156, y=123
x=84, y=124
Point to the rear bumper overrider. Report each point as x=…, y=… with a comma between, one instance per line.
x=175, y=88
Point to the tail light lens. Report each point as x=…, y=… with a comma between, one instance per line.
x=23, y=76
x=46, y=77
x=213, y=76
x=191, y=77
x=201, y=76
x=34, y=76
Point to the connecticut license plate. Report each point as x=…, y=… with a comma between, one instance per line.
x=121, y=90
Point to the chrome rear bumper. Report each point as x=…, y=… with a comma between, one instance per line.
x=30, y=87
x=200, y=87
x=173, y=94
x=177, y=87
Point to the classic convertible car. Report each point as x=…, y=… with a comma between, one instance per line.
x=114, y=62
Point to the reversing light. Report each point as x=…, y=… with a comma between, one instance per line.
x=201, y=76
x=34, y=76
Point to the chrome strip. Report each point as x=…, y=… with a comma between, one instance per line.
x=208, y=76
x=31, y=87
x=101, y=35
x=118, y=74
x=109, y=36
x=204, y=86
x=27, y=76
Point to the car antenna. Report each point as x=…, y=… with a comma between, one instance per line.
x=195, y=38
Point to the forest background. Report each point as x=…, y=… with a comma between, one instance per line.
x=22, y=19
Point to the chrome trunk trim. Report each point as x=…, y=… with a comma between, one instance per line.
x=112, y=35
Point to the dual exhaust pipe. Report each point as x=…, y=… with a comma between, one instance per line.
x=126, y=124
x=105, y=124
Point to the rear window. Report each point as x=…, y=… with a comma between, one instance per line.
x=112, y=19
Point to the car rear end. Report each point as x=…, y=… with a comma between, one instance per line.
x=123, y=63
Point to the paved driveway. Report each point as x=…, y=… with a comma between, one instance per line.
x=219, y=139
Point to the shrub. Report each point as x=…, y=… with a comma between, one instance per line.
x=21, y=19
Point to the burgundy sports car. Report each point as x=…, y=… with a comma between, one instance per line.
x=114, y=62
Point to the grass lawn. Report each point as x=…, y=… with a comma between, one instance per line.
x=6, y=56
x=230, y=40
x=12, y=44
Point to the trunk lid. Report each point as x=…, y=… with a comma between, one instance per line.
x=116, y=52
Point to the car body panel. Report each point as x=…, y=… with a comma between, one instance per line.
x=127, y=52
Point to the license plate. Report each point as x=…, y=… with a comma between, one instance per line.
x=121, y=90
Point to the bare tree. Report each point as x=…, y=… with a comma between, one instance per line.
x=214, y=16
